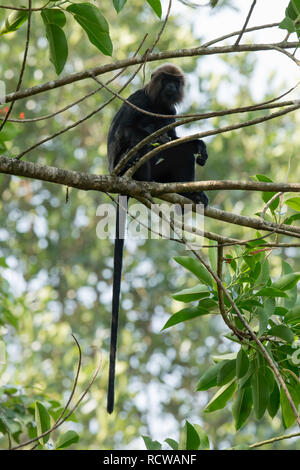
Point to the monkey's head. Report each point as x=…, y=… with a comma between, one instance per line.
x=166, y=87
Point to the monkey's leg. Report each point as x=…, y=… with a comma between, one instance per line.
x=118, y=262
x=143, y=173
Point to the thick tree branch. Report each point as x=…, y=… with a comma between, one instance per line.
x=114, y=184
x=137, y=189
x=193, y=52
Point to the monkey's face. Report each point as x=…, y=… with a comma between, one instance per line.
x=165, y=89
x=171, y=90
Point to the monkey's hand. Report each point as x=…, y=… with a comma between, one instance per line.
x=160, y=140
x=163, y=139
x=201, y=154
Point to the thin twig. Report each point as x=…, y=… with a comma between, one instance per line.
x=236, y=33
x=262, y=215
x=63, y=419
x=274, y=439
x=23, y=65
x=291, y=56
x=246, y=22
x=221, y=294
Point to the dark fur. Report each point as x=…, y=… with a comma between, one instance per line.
x=128, y=128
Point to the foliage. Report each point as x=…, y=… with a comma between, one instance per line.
x=21, y=414
x=193, y=437
x=291, y=21
x=87, y=15
x=272, y=309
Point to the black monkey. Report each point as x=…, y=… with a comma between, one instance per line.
x=177, y=164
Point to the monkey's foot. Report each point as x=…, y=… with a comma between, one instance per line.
x=198, y=198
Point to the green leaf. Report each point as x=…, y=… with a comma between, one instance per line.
x=293, y=315
x=270, y=292
x=195, y=438
x=213, y=255
x=264, y=277
x=193, y=293
x=2, y=146
x=288, y=416
x=10, y=389
x=10, y=318
x=283, y=332
x=242, y=407
x=67, y=439
x=231, y=262
x=172, y=443
x=224, y=357
x=242, y=363
x=291, y=219
x=287, y=24
x=227, y=372
x=13, y=21
x=287, y=282
x=264, y=314
x=204, y=441
x=54, y=16
x=119, y=4
x=274, y=401
x=9, y=132
x=208, y=304
x=260, y=392
x=58, y=46
x=209, y=378
x=156, y=6
x=184, y=315
x=42, y=419
x=95, y=25
x=294, y=203
x=292, y=11
x=281, y=311
x=192, y=438
x=249, y=304
x=267, y=195
x=151, y=445
x=263, y=178
x=196, y=268
x=291, y=300
x=220, y=399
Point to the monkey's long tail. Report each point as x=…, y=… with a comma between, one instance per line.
x=118, y=262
